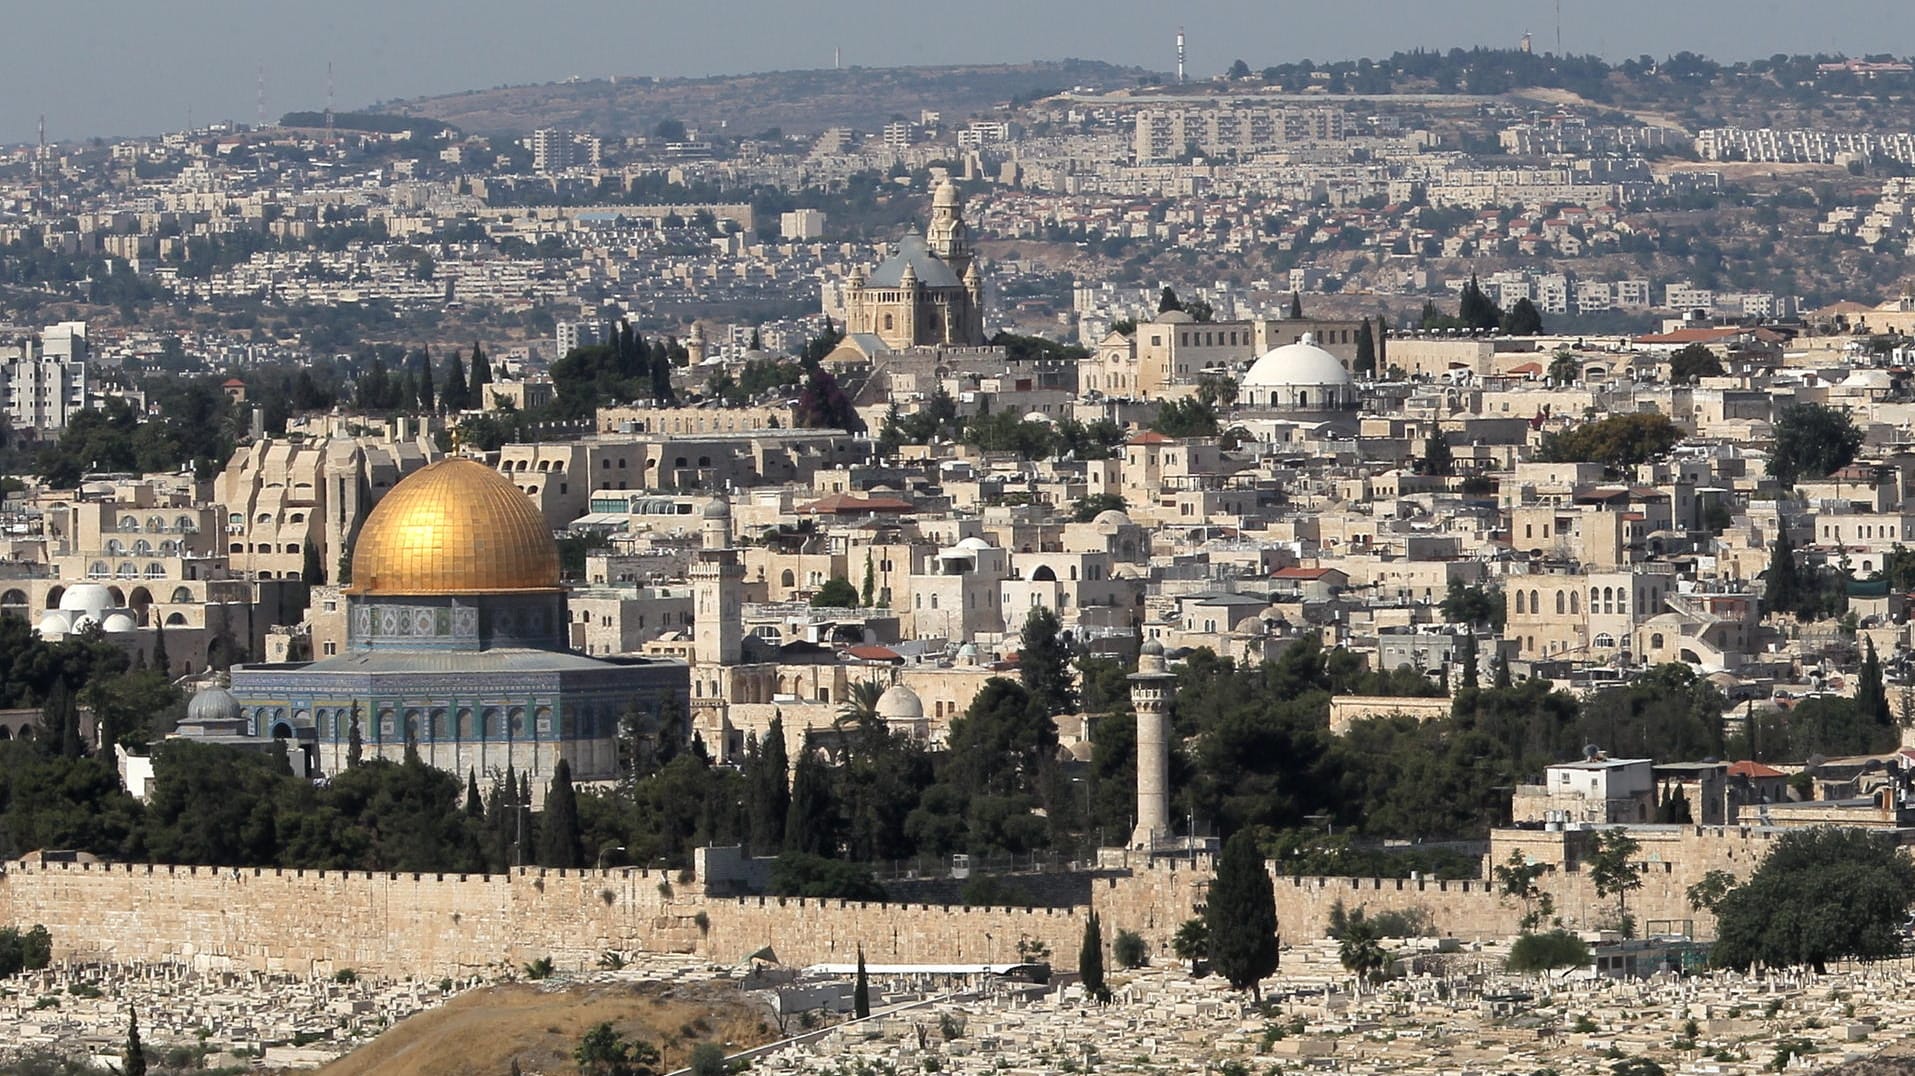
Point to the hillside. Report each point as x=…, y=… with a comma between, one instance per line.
x=798, y=102
x=485, y=1030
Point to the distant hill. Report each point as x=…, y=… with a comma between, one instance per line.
x=797, y=102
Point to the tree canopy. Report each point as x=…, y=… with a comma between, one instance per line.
x=1616, y=442
x=1812, y=440
x=1821, y=895
x=1240, y=915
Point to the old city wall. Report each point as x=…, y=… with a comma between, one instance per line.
x=314, y=922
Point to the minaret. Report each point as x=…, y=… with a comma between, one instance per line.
x=1151, y=688
x=695, y=345
x=948, y=236
x=715, y=531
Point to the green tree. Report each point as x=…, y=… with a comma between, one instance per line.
x=355, y=741
x=133, y=1057
x=1476, y=310
x=1617, y=442
x=1871, y=696
x=479, y=376
x=861, y=992
x=1296, y=305
x=1090, y=961
x=1096, y=505
x=836, y=593
x=1365, y=363
x=1167, y=300
x=1044, y=662
x=455, y=395
x=1471, y=674
x=1523, y=319
x=1613, y=870
x=811, y=823
x=559, y=828
x=1517, y=879
x=1811, y=440
x=1240, y=915
x=1192, y=941
x=868, y=594
x=768, y=785
x=1692, y=363
x=1437, y=459
x=1129, y=950
x=708, y=1059
x=1782, y=583
x=1706, y=895
x=1565, y=368
x=1548, y=952
x=1186, y=417
x=1822, y=894
x=604, y=1052
x=1360, y=949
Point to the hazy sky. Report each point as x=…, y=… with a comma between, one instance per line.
x=106, y=67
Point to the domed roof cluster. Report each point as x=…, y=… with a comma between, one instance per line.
x=1298, y=377
x=454, y=527
x=84, y=606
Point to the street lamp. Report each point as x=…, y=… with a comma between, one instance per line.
x=608, y=848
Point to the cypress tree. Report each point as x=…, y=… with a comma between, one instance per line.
x=355, y=740
x=133, y=1058
x=160, y=660
x=559, y=844
x=1469, y=660
x=1241, y=915
x=426, y=401
x=59, y=717
x=1090, y=961
x=861, y=993
x=811, y=824
x=474, y=805
x=1167, y=300
x=481, y=376
x=1501, y=666
x=1296, y=304
x=870, y=581
x=1782, y=589
x=1382, y=348
x=1871, y=698
x=1438, y=461
x=770, y=791
x=455, y=396
x=1365, y=362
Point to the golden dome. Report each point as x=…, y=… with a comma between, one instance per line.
x=454, y=527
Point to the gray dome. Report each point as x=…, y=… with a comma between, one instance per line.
x=212, y=703
x=1151, y=646
x=718, y=508
x=900, y=703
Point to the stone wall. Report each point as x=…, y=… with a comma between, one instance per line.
x=316, y=922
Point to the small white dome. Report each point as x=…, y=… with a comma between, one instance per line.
x=1036, y=416
x=1111, y=517
x=900, y=703
x=117, y=622
x=973, y=543
x=86, y=598
x=52, y=626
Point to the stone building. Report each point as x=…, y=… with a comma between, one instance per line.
x=457, y=644
x=929, y=291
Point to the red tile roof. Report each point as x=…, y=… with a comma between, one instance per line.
x=844, y=504
x=1754, y=769
x=874, y=653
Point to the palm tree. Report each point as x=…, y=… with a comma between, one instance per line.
x=860, y=709
x=1361, y=950
x=1191, y=942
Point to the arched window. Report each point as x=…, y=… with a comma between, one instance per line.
x=1604, y=640
x=1608, y=600
x=1520, y=606
x=1655, y=641
x=1535, y=603
x=1560, y=605
x=1575, y=601
x=182, y=595
x=128, y=523
x=788, y=578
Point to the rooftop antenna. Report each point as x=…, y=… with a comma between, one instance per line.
x=260, y=96
x=329, y=141
x=837, y=58
x=40, y=164
x=1180, y=55
x=1559, y=27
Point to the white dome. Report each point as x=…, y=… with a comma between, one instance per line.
x=718, y=508
x=1036, y=416
x=900, y=703
x=973, y=543
x=86, y=598
x=52, y=626
x=1111, y=517
x=116, y=622
x=1298, y=377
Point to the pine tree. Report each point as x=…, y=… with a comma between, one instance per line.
x=770, y=791
x=1437, y=459
x=133, y=1058
x=811, y=824
x=1090, y=961
x=1296, y=305
x=559, y=844
x=474, y=804
x=861, y=993
x=1365, y=362
x=1044, y=662
x=1469, y=660
x=1241, y=915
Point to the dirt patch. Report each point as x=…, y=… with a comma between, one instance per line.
x=485, y=1030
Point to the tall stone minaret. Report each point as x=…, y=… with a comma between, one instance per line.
x=1151, y=688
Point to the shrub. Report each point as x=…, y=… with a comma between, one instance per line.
x=1129, y=949
x=1548, y=952
x=345, y=975
x=539, y=969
